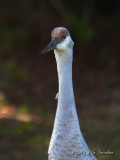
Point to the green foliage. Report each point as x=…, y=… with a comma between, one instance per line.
x=2, y=100
x=22, y=75
x=92, y=129
x=26, y=135
x=11, y=38
x=23, y=108
x=16, y=130
x=81, y=27
x=19, y=128
x=38, y=141
x=45, y=116
x=39, y=155
x=9, y=65
x=107, y=58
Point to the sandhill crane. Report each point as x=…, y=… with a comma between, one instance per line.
x=67, y=142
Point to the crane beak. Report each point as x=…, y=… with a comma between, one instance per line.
x=52, y=45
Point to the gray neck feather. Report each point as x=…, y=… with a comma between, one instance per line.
x=66, y=137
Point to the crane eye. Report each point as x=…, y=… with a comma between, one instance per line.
x=64, y=36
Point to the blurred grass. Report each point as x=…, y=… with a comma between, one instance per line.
x=30, y=140
x=22, y=140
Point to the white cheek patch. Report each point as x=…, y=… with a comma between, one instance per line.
x=66, y=43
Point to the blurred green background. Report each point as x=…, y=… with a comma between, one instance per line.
x=28, y=80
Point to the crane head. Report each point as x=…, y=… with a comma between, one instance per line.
x=61, y=40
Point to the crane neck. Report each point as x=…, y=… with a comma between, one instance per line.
x=64, y=68
x=66, y=136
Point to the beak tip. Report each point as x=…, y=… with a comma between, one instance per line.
x=44, y=51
